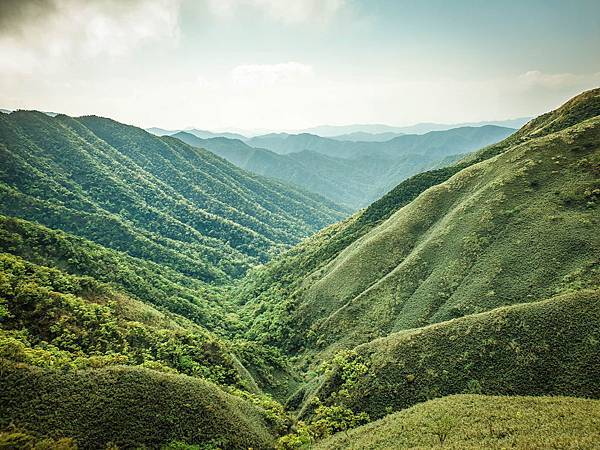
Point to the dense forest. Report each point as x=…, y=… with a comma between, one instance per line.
x=154, y=295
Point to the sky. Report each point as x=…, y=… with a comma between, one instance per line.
x=292, y=64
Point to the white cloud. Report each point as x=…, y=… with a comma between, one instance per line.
x=256, y=75
x=536, y=78
x=287, y=11
x=55, y=30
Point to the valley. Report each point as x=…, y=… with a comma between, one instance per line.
x=203, y=292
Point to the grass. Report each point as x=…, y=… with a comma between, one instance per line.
x=128, y=408
x=550, y=347
x=477, y=422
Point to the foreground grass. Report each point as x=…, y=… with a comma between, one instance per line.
x=477, y=421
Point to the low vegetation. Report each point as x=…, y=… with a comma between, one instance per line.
x=129, y=408
x=477, y=422
x=550, y=347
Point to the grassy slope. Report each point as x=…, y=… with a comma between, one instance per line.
x=127, y=407
x=475, y=421
x=478, y=241
x=550, y=347
x=155, y=198
x=464, y=246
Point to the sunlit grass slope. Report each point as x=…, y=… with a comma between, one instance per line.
x=515, y=223
x=481, y=422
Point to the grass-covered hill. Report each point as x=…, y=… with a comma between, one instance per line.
x=154, y=198
x=550, y=347
x=476, y=422
x=128, y=408
x=515, y=222
x=353, y=174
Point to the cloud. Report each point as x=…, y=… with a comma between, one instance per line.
x=256, y=75
x=536, y=78
x=43, y=33
x=287, y=11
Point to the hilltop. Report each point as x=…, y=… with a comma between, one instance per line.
x=476, y=421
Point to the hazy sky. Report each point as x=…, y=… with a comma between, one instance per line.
x=287, y=64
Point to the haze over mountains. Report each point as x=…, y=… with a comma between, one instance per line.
x=354, y=132
x=155, y=294
x=352, y=174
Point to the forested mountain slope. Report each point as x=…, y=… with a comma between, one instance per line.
x=154, y=198
x=512, y=228
x=349, y=173
x=95, y=345
x=347, y=182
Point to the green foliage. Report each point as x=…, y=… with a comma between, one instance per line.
x=59, y=320
x=16, y=440
x=144, y=280
x=550, y=347
x=326, y=421
x=447, y=243
x=156, y=199
x=349, y=367
x=128, y=407
x=475, y=421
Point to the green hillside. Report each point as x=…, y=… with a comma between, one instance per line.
x=550, y=347
x=476, y=421
x=353, y=174
x=128, y=408
x=518, y=226
x=154, y=198
x=81, y=359
x=147, y=281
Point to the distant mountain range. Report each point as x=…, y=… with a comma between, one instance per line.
x=419, y=128
x=352, y=174
x=356, y=132
x=203, y=134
